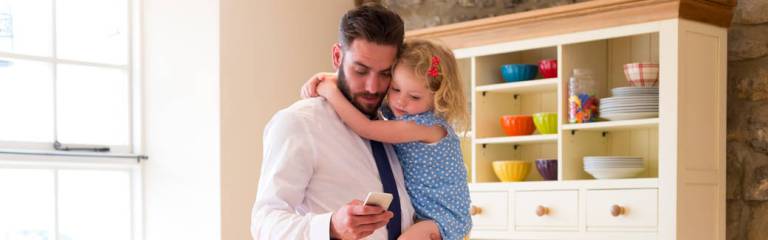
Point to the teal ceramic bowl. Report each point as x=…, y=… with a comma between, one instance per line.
x=519, y=72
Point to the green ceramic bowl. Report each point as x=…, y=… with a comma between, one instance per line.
x=546, y=122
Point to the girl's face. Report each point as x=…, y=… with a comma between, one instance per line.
x=408, y=94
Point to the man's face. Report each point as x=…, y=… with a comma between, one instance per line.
x=365, y=70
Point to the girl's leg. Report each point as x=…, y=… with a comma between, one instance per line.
x=422, y=230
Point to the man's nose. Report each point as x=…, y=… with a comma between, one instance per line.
x=372, y=83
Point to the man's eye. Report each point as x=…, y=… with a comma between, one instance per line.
x=395, y=89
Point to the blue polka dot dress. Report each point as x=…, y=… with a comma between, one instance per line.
x=436, y=178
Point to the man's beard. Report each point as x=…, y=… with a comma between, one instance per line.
x=344, y=87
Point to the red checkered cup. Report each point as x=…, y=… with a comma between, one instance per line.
x=642, y=74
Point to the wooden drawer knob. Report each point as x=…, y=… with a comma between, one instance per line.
x=542, y=211
x=617, y=210
x=475, y=210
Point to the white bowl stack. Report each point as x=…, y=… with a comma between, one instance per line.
x=612, y=167
x=630, y=103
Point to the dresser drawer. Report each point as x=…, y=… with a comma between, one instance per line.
x=490, y=210
x=547, y=209
x=635, y=209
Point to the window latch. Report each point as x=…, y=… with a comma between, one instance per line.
x=80, y=147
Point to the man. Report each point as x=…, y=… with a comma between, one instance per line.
x=315, y=169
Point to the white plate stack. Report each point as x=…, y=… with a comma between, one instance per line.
x=630, y=103
x=612, y=167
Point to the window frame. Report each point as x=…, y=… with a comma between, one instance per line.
x=42, y=155
x=55, y=164
x=134, y=78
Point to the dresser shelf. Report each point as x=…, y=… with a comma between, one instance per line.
x=538, y=85
x=545, y=138
x=614, y=125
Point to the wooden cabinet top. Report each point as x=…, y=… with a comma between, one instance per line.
x=573, y=18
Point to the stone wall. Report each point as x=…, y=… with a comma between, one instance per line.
x=747, y=177
x=747, y=190
x=430, y=13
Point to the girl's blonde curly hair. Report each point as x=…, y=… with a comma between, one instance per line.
x=449, y=101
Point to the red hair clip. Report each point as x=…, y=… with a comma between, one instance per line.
x=433, y=70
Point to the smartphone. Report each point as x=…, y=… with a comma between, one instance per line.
x=378, y=199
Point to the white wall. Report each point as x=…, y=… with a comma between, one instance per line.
x=268, y=49
x=182, y=115
x=215, y=72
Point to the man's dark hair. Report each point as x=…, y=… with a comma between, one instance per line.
x=372, y=22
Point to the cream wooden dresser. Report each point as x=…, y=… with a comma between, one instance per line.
x=681, y=194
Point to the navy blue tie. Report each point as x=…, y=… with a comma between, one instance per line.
x=390, y=186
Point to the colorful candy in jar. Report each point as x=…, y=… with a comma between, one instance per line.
x=583, y=103
x=583, y=108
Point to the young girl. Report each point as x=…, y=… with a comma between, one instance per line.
x=424, y=101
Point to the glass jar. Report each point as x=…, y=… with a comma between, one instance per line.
x=583, y=104
x=6, y=27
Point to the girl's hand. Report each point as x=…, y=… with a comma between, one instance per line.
x=328, y=87
x=310, y=87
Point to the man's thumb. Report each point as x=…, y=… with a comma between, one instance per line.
x=355, y=202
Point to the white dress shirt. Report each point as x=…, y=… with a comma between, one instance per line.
x=313, y=164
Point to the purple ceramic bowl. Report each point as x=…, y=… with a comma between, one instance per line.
x=547, y=168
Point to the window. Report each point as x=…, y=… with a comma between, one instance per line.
x=68, y=202
x=68, y=75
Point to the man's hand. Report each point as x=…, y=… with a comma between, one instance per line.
x=356, y=221
x=310, y=87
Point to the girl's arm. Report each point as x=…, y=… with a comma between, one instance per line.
x=309, y=89
x=379, y=130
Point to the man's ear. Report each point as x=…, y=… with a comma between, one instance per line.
x=336, y=55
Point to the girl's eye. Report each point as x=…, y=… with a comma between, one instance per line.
x=395, y=90
x=415, y=97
